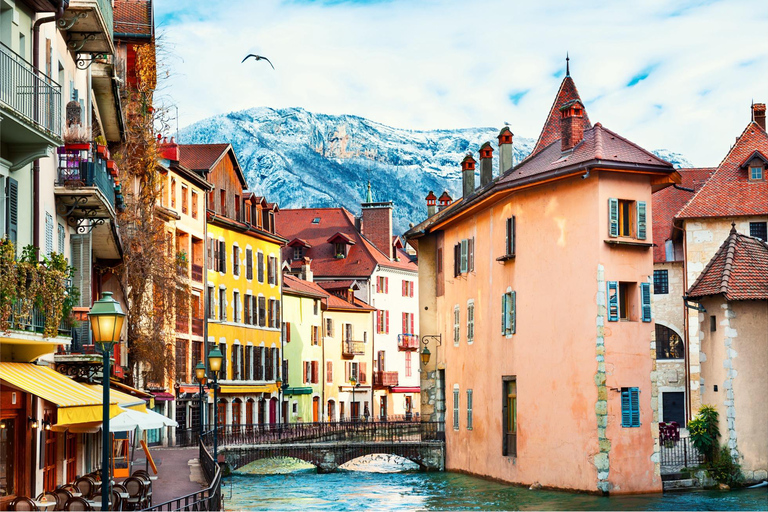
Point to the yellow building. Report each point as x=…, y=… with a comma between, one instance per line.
x=243, y=288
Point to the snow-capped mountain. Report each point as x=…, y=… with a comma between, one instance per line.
x=302, y=159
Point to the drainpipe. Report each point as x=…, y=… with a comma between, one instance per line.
x=686, y=338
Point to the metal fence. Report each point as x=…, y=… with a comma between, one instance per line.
x=33, y=95
x=85, y=168
x=680, y=453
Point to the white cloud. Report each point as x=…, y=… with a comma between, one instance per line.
x=447, y=64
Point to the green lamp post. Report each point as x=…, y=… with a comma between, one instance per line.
x=107, y=319
x=201, y=378
x=215, y=358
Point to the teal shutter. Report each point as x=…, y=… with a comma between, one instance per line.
x=645, y=299
x=634, y=403
x=613, y=301
x=641, y=223
x=626, y=415
x=613, y=217
x=512, y=309
x=464, y=256
x=12, y=210
x=504, y=313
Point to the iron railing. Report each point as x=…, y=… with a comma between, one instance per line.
x=205, y=499
x=321, y=432
x=33, y=95
x=85, y=168
x=408, y=341
x=680, y=453
x=385, y=379
x=350, y=348
x=35, y=321
x=187, y=437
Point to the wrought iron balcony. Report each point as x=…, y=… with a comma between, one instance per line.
x=408, y=342
x=84, y=188
x=350, y=348
x=385, y=379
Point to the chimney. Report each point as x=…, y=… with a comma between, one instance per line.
x=486, y=164
x=306, y=270
x=377, y=225
x=168, y=150
x=571, y=124
x=350, y=295
x=431, y=204
x=505, y=150
x=467, y=175
x=444, y=201
x=758, y=114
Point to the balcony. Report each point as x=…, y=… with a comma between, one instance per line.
x=385, y=379
x=351, y=348
x=408, y=342
x=89, y=26
x=105, y=92
x=197, y=326
x=30, y=110
x=24, y=341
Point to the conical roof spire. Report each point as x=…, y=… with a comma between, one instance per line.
x=369, y=195
x=567, y=65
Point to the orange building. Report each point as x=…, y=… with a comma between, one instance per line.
x=535, y=287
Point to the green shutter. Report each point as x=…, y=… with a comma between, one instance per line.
x=513, y=311
x=645, y=298
x=613, y=301
x=464, y=256
x=641, y=223
x=626, y=414
x=504, y=313
x=613, y=217
x=12, y=210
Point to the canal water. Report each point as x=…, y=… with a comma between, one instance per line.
x=305, y=490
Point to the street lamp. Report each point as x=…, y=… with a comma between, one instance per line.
x=215, y=357
x=425, y=356
x=201, y=378
x=355, y=384
x=107, y=319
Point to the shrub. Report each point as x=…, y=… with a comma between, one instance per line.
x=705, y=431
x=726, y=470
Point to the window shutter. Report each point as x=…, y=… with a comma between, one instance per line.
x=12, y=213
x=513, y=311
x=210, y=254
x=634, y=402
x=464, y=249
x=613, y=301
x=626, y=414
x=645, y=298
x=504, y=419
x=223, y=257
x=641, y=223
x=504, y=313
x=405, y=323
x=329, y=372
x=471, y=252
x=386, y=314
x=288, y=332
x=247, y=309
x=306, y=369
x=456, y=259
x=314, y=372
x=363, y=373
x=48, y=234
x=613, y=217
x=413, y=327
x=513, y=234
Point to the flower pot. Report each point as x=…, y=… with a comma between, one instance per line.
x=111, y=164
x=102, y=150
x=77, y=146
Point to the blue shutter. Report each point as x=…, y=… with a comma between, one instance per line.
x=512, y=309
x=613, y=301
x=645, y=299
x=641, y=224
x=634, y=403
x=12, y=209
x=514, y=228
x=626, y=414
x=613, y=217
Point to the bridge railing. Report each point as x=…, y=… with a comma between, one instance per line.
x=205, y=499
x=339, y=431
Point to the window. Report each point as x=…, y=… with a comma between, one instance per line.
x=211, y=304
x=627, y=218
x=755, y=173
x=316, y=307
x=382, y=284
x=509, y=416
x=223, y=304
x=509, y=244
x=236, y=306
x=316, y=220
x=194, y=205
x=668, y=343
x=62, y=234
x=382, y=321
x=236, y=260
x=469, y=409
x=408, y=368
x=456, y=407
x=340, y=249
x=470, y=321
x=181, y=360
x=456, y=325
x=298, y=252
x=222, y=257
x=408, y=287
x=660, y=282
x=630, y=407
x=184, y=192
x=346, y=332
x=223, y=372
x=464, y=257
x=315, y=335
x=329, y=372
x=712, y=323
x=408, y=323
x=236, y=362
x=621, y=301
x=329, y=327
x=173, y=193
x=260, y=266
x=759, y=230
x=509, y=313
x=237, y=207
x=249, y=264
x=272, y=270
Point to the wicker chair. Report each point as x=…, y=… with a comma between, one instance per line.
x=144, y=476
x=117, y=501
x=77, y=503
x=136, y=489
x=62, y=496
x=49, y=496
x=23, y=503
x=86, y=486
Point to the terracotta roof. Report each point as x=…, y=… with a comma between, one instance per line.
x=302, y=287
x=729, y=192
x=344, y=284
x=201, y=157
x=336, y=302
x=551, y=130
x=668, y=201
x=738, y=270
x=362, y=257
x=133, y=17
x=298, y=241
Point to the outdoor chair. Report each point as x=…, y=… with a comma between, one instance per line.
x=135, y=487
x=51, y=497
x=23, y=503
x=117, y=501
x=77, y=503
x=63, y=496
x=144, y=476
x=87, y=486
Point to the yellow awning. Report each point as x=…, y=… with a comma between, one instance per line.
x=268, y=388
x=124, y=400
x=76, y=402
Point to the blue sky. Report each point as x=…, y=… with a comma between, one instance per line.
x=678, y=75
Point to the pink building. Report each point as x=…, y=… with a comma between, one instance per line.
x=537, y=283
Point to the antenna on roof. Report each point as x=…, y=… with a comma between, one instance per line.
x=567, y=65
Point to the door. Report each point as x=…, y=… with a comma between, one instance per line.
x=408, y=407
x=673, y=404
x=316, y=409
x=354, y=411
x=331, y=410
x=273, y=410
x=262, y=411
x=342, y=412
x=383, y=408
x=49, y=471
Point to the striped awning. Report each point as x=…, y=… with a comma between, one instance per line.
x=124, y=400
x=77, y=403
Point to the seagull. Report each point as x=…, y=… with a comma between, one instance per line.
x=257, y=57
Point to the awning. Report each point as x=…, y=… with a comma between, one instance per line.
x=76, y=402
x=306, y=390
x=125, y=388
x=163, y=396
x=405, y=389
x=268, y=388
x=123, y=400
x=189, y=389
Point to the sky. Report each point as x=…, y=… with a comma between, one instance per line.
x=667, y=74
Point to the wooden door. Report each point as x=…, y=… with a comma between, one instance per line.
x=315, y=409
x=49, y=470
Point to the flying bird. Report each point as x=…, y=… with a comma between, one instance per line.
x=257, y=57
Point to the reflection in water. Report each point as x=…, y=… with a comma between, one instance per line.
x=305, y=490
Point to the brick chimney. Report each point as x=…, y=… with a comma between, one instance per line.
x=571, y=124
x=377, y=225
x=467, y=175
x=431, y=203
x=444, y=200
x=758, y=114
x=505, y=149
x=486, y=164
x=306, y=270
x=167, y=150
x=350, y=295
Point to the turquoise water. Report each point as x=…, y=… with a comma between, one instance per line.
x=352, y=490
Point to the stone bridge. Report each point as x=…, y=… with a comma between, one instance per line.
x=329, y=445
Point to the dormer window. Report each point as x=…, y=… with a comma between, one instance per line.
x=341, y=243
x=316, y=220
x=340, y=250
x=298, y=253
x=756, y=174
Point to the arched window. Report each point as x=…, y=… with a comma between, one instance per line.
x=668, y=344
